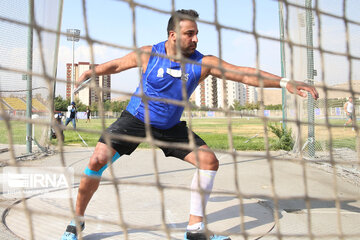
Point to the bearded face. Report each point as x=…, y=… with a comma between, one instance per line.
x=188, y=37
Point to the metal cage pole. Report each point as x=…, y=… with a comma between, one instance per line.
x=310, y=76
x=29, y=78
x=283, y=63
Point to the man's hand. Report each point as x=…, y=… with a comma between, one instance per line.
x=301, y=89
x=80, y=84
x=83, y=77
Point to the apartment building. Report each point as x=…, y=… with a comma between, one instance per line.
x=214, y=92
x=87, y=95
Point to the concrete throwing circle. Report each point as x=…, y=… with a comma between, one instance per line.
x=141, y=211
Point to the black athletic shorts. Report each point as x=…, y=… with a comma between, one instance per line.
x=129, y=125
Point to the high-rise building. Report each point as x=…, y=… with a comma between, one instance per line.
x=206, y=93
x=68, y=78
x=212, y=93
x=88, y=95
x=251, y=94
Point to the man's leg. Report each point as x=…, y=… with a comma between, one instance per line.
x=74, y=123
x=201, y=186
x=349, y=121
x=206, y=162
x=67, y=121
x=89, y=184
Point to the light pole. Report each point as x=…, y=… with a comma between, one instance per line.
x=74, y=36
x=28, y=77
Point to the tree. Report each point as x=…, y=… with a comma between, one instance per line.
x=124, y=104
x=252, y=106
x=80, y=106
x=237, y=106
x=94, y=107
x=193, y=106
x=107, y=105
x=118, y=106
x=273, y=107
x=204, y=108
x=61, y=104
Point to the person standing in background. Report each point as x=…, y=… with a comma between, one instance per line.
x=349, y=111
x=88, y=113
x=71, y=115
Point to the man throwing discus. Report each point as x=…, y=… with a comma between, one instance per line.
x=163, y=77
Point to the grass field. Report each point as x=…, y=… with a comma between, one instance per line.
x=247, y=134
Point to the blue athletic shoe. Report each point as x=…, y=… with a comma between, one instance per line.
x=70, y=233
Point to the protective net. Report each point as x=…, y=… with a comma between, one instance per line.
x=266, y=194
x=320, y=47
x=28, y=49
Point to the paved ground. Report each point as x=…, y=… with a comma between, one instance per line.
x=141, y=201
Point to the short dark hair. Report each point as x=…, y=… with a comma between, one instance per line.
x=181, y=15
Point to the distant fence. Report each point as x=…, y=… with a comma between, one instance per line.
x=320, y=113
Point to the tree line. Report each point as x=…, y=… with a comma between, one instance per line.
x=61, y=104
x=238, y=107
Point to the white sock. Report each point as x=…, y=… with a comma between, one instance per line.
x=204, y=179
x=195, y=227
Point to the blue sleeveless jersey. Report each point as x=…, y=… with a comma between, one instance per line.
x=162, y=79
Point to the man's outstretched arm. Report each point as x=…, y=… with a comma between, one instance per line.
x=126, y=62
x=253, y=77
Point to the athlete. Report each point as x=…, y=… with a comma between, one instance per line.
x=88, y=114
x=71, y=115
x=349, y=111
x=163, y=77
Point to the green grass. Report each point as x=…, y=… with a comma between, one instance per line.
x=240, y=143
x=246, y=134
x=341, y=143
x=18, y=130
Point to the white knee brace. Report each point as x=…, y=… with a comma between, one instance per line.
x=205, y=180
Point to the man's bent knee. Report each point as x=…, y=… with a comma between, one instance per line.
x=211, y=163
x=99, y=161
x=203, y=158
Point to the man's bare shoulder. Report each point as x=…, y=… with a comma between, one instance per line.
x=143, y=51
x=146, y=52
x=210, y=59
x=146, y=48
x=208, y=62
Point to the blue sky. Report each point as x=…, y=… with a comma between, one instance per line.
x=111, y=21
